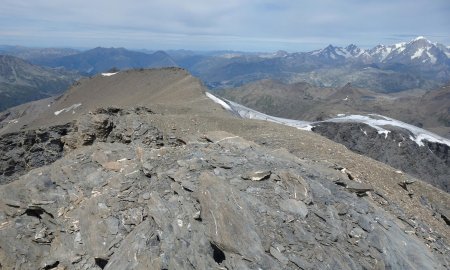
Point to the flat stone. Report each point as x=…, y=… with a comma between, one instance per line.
x=279, y=256
x=365, y=223
x=358, y=187
x=295, y=207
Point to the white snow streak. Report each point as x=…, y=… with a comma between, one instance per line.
x=219, y=101
x=109, y=74
x=418, y=53
x=73, y=107
x=432, y=58
x=379, y=122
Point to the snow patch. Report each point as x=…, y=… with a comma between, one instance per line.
x=385, y=132
x=400, y=45
x=248, y=113
x=219, y=101
x=109, y=74
x=72, y=107
x=13, y=121
x=418, y=53
x=379, y=122
x=432, y=58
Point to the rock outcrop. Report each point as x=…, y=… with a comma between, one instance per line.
x=147, y=203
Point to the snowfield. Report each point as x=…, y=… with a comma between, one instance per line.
x=248, y=113
x=109, y=74
x=379, y=122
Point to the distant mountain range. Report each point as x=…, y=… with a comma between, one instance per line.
x=415, y=64
x=21, y=81
x=418, y=64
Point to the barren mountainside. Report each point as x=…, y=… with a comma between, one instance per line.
x=142, y=170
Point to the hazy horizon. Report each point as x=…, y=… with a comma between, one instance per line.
x=251, y=25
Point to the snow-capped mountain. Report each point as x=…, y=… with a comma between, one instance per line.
x=419, y=51
x=332, y=53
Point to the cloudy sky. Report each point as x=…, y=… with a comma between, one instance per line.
x=248, y=25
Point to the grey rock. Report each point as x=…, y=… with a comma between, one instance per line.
x=365, y=223
x=295, y=207
x=357, y=233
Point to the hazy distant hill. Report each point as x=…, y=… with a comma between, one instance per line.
x=21, y=81
x=38, y=56
x=102, y=59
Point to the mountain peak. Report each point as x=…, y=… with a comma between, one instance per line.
x=419, y=38
x=351, y=47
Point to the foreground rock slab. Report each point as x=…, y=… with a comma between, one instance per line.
x=148, y=201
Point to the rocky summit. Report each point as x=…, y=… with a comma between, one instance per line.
x=141, y=170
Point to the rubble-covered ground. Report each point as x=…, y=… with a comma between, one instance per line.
x=128, y=196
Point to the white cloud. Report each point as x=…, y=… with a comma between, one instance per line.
x=202, y=23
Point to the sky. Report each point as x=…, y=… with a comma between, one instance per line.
x=242, y=25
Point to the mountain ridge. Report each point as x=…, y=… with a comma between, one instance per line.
x=416, y=64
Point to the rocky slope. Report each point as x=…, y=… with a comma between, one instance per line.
x=22, y=82
x=430, y=162
x=181, y=183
